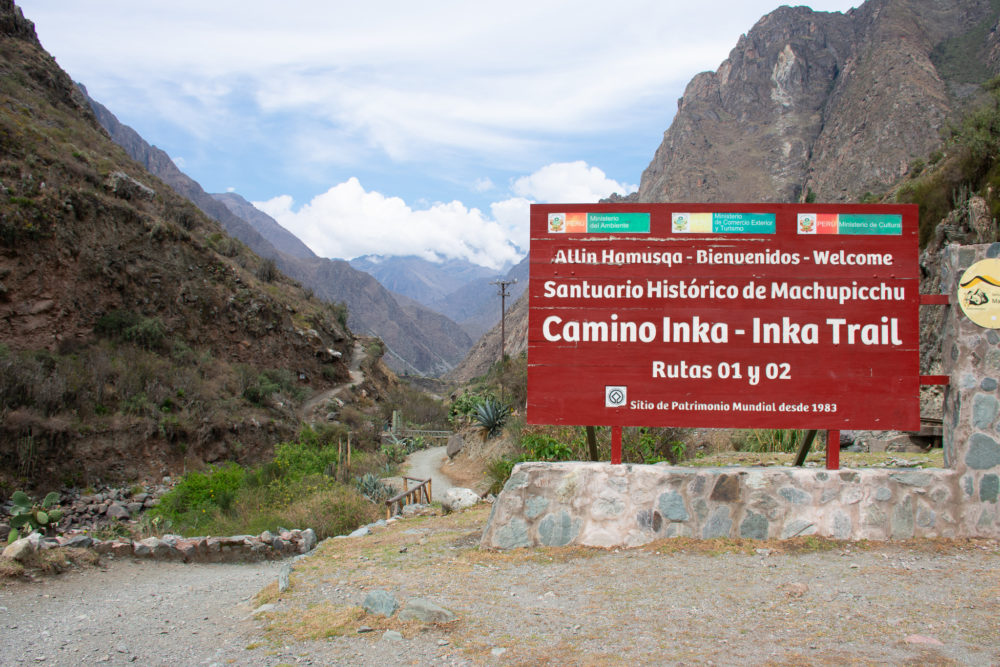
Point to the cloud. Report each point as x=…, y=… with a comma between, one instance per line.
x=411, y=82
x=568, y=182
x=483, y=185
x=347, y=221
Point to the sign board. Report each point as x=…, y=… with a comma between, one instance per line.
x=724, y=315
x=979, y=293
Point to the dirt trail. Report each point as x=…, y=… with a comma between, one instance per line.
x=310, y=405
x=427, y=463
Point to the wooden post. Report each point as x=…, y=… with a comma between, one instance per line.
x=833, y=450
x=616, y=444
x=348, y=453
x=428, y=492
x=807, y=441
x=592, y=443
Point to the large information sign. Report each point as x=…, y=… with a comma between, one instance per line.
x=724, y=315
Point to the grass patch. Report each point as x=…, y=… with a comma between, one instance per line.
x=296, y=489
x=320, y=621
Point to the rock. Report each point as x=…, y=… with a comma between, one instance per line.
x=154, y=547
x=20, y=549
x=425, y=611
x=126, y=187
x=922, y=639
x=284, y=578
x=77, y=542
x=795, y=589
x=458, y=498
x=455, y=445
x=392, y=636
x=360, y=532
x=133, y=508
x=308, y=540
x=380, y=602
x=116, y=511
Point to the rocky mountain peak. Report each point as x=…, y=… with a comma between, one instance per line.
x=13, y=23
x=836, y=104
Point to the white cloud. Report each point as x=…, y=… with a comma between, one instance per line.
x=568, y=182
x=347, y=221
x=413, y=82
x=483, y=185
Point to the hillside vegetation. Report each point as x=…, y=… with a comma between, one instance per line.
x=136, y=337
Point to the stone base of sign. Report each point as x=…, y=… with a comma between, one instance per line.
x=604, y=505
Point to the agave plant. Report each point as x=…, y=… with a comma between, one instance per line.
x=27, y=518
x=372, y=486
x=491, y=415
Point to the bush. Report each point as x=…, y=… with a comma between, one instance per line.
x=772, y=440
x=542, y=447
x=198, y=494
x=267, y=271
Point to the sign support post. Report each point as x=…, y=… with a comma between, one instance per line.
x=833, y=450
x=616, y=444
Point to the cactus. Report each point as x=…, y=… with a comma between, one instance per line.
x=373, y=487
x=26, y=517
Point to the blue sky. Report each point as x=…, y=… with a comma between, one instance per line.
x=397, y=127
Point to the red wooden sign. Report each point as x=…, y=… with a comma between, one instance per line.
x=724, y=315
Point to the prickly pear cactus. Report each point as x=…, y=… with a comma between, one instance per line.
x=27, y=517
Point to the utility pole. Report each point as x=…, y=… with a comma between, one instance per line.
x=503, y=284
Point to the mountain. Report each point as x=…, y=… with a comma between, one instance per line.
x=420, y=279
x=486, y=350
x=819, y=106
x=476, y=305
x=372, y=309
x=136, y=338
x=279, y=237
x=825, y=105
x=462, y=291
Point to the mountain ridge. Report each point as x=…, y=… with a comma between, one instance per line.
x=424, y=342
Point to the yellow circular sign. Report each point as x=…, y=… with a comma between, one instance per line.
x=979, y=293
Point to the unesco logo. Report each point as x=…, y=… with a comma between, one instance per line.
x=615, y=397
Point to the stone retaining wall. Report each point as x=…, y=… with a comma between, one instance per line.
x=234, y=548
x=604, y=505
x=599, y=504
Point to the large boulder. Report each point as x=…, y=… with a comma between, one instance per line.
x=455, y=445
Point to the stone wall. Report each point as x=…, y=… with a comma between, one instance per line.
x=971, y=357
x=600, y=504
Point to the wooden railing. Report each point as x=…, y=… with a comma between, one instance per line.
x=420, y=493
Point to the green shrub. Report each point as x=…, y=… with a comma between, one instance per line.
x=542, y=447
x=498, y=472
x=267, y=271
x=200, y=493
x=772, y=440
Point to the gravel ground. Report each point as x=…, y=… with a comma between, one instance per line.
x=132, y=612
x=924, y=602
